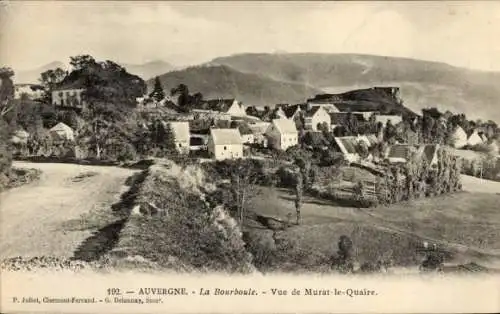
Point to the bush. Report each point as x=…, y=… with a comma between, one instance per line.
x=287, y=177
x=417, y=178
x=486, y=168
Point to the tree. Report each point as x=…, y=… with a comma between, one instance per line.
x=6, y=107
x=157, y=94
x=299, y=189
x=182, y=93
x=49, y=80
x=163, y=138
x=81, y=62
x=352, y=124
x=244, y=178
x=6, y=91
x=344, y=253
x=390, y=131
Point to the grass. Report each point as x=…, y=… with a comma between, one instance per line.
x=462, y=224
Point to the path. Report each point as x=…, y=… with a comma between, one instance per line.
x=33, y=217
x=477, y=185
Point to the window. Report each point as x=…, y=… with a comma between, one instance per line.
x=180, y=144
x=225, y=147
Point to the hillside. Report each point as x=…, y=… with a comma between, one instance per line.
x=423, y=83
x=150, y=69
x=224, y=81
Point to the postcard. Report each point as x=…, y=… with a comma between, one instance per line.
x=249, y=157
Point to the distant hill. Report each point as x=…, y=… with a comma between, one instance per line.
x=32, y=76
x=423, y=83
x=224, y=81
x=150, y=69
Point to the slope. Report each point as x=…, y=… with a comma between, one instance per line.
x=224, y=81
x=423, y=83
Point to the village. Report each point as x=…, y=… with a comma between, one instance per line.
x=249, y=179
x=221, y=129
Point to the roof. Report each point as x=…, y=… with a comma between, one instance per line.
x=459, y=131
x=180, y=129
x=400, y=151
x=226, y=136
x=349, y=143
x=61, y=127
x=285, y=125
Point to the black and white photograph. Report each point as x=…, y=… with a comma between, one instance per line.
x=249, y=139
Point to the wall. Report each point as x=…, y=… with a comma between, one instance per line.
x=68, y=98
x=182, y=146
x=288, y=140
x=231, y=151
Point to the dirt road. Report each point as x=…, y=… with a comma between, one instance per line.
x=34, y=218
x=477, y=185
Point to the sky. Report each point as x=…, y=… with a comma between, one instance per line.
x=32, y=34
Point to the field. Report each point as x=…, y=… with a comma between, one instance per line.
x=466, y=225
x=68, y=214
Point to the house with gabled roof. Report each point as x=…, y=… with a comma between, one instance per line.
x=315, y=117
x=458, y=138
x=225, y=144
x=282, y=134
x=62, y=132
x=69, y=96
x=474, y=139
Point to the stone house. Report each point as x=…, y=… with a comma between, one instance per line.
x=458, y=137
x=315, y=117
x=225, y=144
x=70, y=96
x=282, y=134
x=62, y=132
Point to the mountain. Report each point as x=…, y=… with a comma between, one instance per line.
x=423, y=83
x=150, y=69
x=226, y=82
x=32, y=76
